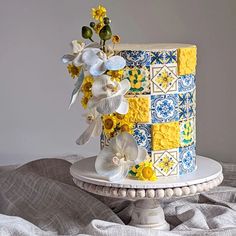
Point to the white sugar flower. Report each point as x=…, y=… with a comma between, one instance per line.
x=94, y=129
x=104, y=63
x=82, y=54
x=108, y=95
x=114, y=161
x=93, y=59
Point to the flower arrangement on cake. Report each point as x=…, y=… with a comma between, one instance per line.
x=140, y=99
x=100, y=81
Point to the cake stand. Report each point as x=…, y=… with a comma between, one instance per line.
x=147, y=212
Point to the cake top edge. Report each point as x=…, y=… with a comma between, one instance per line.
x=151, y=46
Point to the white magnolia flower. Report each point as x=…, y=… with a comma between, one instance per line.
x=114, y=161
x=108, y=95
x=94, y=129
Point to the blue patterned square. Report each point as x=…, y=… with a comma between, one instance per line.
x=187, y=159
x=164, y=108
x=136, y=58
x=171, y=56
x=142, y=135
x=186, y=83
x=157, y=57
x=186, y=105
x=164, y=57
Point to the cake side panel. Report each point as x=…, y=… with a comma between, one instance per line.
x=162, y=107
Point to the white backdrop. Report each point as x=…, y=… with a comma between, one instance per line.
x=35, y=87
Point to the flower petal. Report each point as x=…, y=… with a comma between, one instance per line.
x=127, y=145
x=77, y=46
x=104, y=163
x=124, y=86
x=78, y=84
x=87, y=134
x=115, y=63
x=67, y=58
x=97, y=69
x=93, y=45
x=124, y=170
x=78, y=60
x=99, y=84
x=109, y=105
x=142, y=155
x=124, y=107
x=89, y=57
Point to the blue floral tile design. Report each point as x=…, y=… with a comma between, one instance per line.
x=136, y=58
x=158, y=57
x=186, y=83
x=164, y=57
x=187, y=160
x=142, y=135
x=171, y=57
x=186, y=105
x=164, y=108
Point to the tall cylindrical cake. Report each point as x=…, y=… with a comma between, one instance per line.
x=162, y=104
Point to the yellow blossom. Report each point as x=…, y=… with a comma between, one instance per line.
x=115, y=39
x=98, y=27
x=145, y=171
x=87, y=84
x=99, y=13
x=126, y=126
x=84, y=101
x=73, y=70
x=109, y=124
x=116, y=74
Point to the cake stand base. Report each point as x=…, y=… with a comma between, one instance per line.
x=148, y=214
x=147, y=195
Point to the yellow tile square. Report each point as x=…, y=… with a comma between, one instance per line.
x=139, y=109
x=187, y=61
x=165, y=136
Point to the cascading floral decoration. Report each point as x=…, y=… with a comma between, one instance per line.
x=99, y=79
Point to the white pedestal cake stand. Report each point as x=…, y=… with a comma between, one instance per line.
x=147, y=212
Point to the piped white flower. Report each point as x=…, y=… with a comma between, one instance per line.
x=108, y=95
x=94, y=129
x=114, y=161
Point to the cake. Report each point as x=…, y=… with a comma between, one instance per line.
x=162, y=103
x=139, y=98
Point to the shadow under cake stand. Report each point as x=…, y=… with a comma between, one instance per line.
x=147, y=212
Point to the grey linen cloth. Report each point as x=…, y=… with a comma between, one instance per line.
x=40, y=198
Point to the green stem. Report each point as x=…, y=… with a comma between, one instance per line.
x=103, y=45
x=91, y=39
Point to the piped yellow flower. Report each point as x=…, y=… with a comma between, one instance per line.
x=99, y=13
x=73, y=70
x=145, y=171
